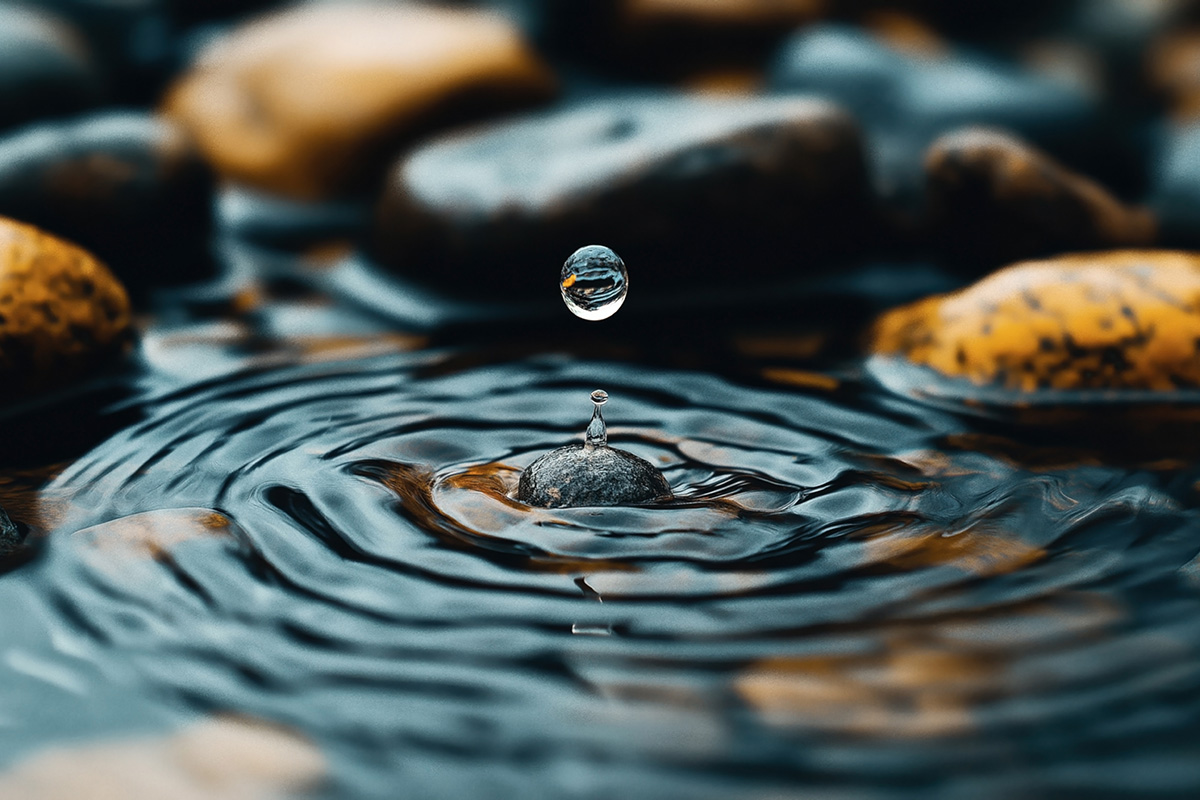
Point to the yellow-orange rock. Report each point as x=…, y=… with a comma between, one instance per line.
x=311, y=102
x=61, y=310
x=1126, y=319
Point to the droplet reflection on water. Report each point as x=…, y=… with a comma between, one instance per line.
x=594, y=282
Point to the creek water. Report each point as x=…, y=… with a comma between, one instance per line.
x=850, y=594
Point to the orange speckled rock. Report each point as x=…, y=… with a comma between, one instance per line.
x=312, y=102
x=1127, y=319
x=61, y=310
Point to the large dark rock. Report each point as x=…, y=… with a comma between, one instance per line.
x=689, y=190
x=585, y=475
x=904, y=101
x=46, y=69
x=128, y=186
x=994, y=199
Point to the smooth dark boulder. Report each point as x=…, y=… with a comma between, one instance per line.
x=128, y=186
x=46, y=69
x=586, y=475
x=692, y=191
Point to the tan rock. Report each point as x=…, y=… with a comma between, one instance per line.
x=1127, y=319
x=61, y=310
x=311, y=102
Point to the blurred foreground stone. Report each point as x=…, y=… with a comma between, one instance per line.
x=224, y=758
x=61, y=311
x=994, y=199
x=1117, y=320
x=311, y=102
x=45, y=67
x=691, y=191
x=128, y=186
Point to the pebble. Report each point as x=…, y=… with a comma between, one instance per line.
x=995, y=199
x=128, y=186
x=693, y=190
x=904, y=100
x=1125, y=319
x=313, y=101
x=584, y=475
x=46, y=69
x=61, y=310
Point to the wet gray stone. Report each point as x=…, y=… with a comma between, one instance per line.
x=583, y=475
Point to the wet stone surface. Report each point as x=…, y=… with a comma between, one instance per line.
x=695, y=191
x=586, y=475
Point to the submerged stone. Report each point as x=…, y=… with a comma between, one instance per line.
x=587, y=475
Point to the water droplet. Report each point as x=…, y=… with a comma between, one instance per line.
x=597, y=431
x=594, y=282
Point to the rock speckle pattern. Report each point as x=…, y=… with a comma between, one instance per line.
x=693, y=190
x=582, y=475
x=312, y=102
x=1119, y=320
x=61, y=310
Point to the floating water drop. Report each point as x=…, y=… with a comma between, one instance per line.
x=594, y=282
x=597, y=431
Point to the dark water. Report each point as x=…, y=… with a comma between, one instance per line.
x=851, y=595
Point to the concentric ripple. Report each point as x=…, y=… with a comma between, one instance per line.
x=841, y=596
